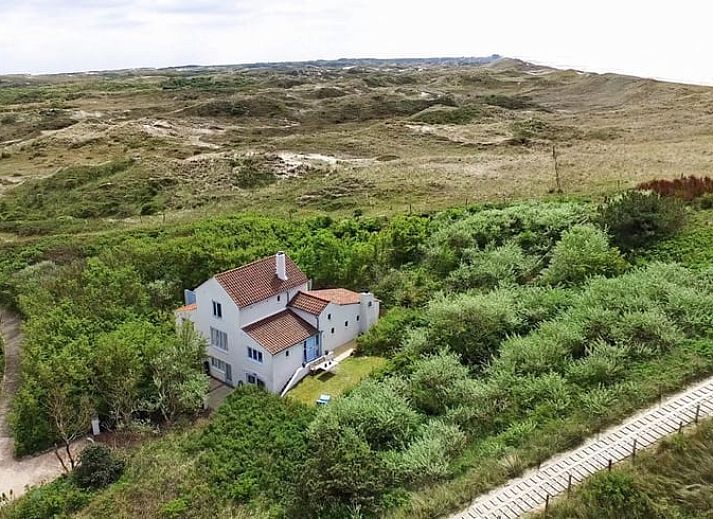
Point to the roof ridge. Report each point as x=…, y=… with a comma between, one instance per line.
x=245, y=266
x=312, y=294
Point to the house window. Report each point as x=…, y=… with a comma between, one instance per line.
x=255, y=354
x=369, y=304
x=332, y=330
x=287, y=353
x=217, y=364
x=217, y=310
x=346, y=323
x=219, y=339
x=254, y=380
x=357, y=318
x=329, y=317
x=278, y=298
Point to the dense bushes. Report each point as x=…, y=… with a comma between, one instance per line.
x=94, y=345
x=97, y=467
x=582, y=252
x=514, y=322
x=254, y=447
x=638, y=219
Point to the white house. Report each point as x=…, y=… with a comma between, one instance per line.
x=264, y=325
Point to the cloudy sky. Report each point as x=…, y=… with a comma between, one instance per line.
x=655, y=38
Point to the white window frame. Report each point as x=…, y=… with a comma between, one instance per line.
x=218, y=339
x=255, y=355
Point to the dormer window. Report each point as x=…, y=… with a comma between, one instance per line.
x=217, y=310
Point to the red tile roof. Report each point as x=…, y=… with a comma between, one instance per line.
x=187, y=308
x=257, y=281
x=338, y=296
x=280, y=331
x=308, y=303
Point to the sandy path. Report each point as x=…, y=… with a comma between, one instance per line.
x=17, y=474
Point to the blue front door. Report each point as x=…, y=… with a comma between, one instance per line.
x=311, y=349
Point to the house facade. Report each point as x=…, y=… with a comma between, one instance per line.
x=263, y=324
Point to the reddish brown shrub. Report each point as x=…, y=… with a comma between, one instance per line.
x=685, y=188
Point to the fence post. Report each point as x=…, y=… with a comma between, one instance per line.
x=609, y=465
x=698, y=412
x=680, y=427
x=633, y=450
x=569, y=484
x=547, y=504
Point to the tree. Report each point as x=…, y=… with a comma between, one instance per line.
x=120, y=370
x=68, y=407
x=636, y=219
x=179, y=383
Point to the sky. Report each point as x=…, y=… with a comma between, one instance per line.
x=656, y=38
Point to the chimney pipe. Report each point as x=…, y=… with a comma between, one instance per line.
x=280, y=266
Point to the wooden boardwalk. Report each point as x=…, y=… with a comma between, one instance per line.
x=528, y=493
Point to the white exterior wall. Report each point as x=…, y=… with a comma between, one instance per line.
x=311, y=319
x=245, y=365
x=369, y=314
x=267, y=307
x=342, y=334
x=284, y=366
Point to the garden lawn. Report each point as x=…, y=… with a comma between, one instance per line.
x=345, y=375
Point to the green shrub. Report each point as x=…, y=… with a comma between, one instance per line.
x=504, y=265
x=428, y=458
x=613, y=495
x=255, y=445
x=377, y=411
x=472, y=325
x=60, y=498
x=637, y=219
x=405, y=287
x=582, y=252
x=98, y=467
x=386, y=336
x=435, y=383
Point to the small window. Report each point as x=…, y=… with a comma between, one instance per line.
x=253, y=379
x=329, y=317
x=217, y=310
x=357, y=318
x=278, y=298
x=346, y=323
x=255, y=354
x=332, y=330
x=287, y=353
x=370, y=303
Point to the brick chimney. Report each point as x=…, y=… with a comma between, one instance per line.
x=280, y=266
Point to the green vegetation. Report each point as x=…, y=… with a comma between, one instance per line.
x=514, y=332
x=637, y=219
x=673, y=480
x=341, y=378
